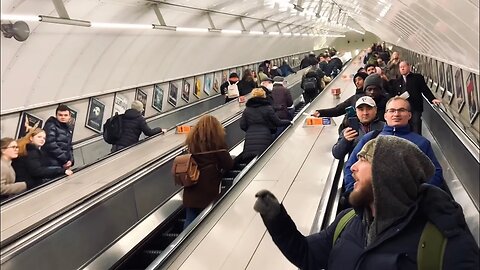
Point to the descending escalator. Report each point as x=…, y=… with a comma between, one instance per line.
x=165, y=234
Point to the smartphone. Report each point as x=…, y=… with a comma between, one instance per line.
x=350, y=111
x=354, y=123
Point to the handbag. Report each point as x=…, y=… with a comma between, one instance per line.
x=185, y=170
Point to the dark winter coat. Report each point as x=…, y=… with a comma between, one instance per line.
x=334, y=64
x=260, y=123
x=224, y=90
x=34, y=168
x=58, y=144
x=282, y=99
x=133, y=124
x=344, y=147
x=245, y=87
x=395, y=248
x=340, y=108
x=415, y=86
x=315, y=73
x=286, y=70
x=212, y=167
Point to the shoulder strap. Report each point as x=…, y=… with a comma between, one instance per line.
x=375, y=134
x=431, y=248
x=342, y=223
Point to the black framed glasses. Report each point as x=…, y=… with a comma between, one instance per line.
x=401, y=110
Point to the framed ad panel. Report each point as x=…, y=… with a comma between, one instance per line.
x=95, y=113
x=141, y=96
x=434, y=75
x=441, y=78
x=449, y=82
x=232, y=70
x=120, y=103
x=430, y=72
x=198, y=86
x=208, y=84
x=73, y=119
x=186, y=91
x=172, y=94
x=459, y=94
x=216, y=81
x=157, y=100
x=472, y=96
x=239, y=72
x=28, y=121
x=224, y=76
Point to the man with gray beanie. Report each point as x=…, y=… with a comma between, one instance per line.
x=133, y=124
x=397, y=221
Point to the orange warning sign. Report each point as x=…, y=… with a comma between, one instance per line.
x=314, y=121
x=336, y=91
x=183, y=129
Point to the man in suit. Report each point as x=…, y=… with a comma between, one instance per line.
x=411, y=86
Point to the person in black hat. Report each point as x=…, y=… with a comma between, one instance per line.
x=232, y=80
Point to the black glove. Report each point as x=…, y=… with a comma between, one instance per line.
x=267, y=205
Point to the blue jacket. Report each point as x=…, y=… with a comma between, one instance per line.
x=402, y=132
x=394, y=248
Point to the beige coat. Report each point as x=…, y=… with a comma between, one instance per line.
x=7, y=184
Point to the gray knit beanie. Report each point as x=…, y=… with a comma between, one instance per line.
x=373, y=79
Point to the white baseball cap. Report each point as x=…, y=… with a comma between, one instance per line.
x=365, y=100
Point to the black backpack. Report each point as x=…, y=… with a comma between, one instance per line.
x=310, y=84
x=112, y=129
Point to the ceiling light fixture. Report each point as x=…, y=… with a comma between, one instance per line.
x=164, y=27
x=48, y=19
x=121, y=25
x=231, y=31
x=189, y=29
x=13, y=17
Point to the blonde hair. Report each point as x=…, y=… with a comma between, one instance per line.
x=207, y=135
x=258, y=92
x=22, y=142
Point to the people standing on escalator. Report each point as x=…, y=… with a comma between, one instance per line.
x=8, y=185
x=31, y=165
x=133, y=124
x=247, y=83
x=230, y=84
x=58, y=145
x=207, y=144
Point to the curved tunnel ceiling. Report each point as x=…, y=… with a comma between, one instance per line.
x=59, y=62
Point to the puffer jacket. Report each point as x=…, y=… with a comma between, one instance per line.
x=260, y=123
x=133, y=124
x=33, y=168
x=282, y=99
x=402, y=132
x=58, y=144
x=395, y=248
x=212, y=165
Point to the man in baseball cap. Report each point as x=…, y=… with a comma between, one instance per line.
x=355, y=127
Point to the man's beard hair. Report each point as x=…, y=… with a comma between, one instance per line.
x=361, y=197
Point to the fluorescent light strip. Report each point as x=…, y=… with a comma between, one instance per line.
x=296, y=34
x=26, y=18
x=287, y=34
x=274, y=33
x=325, y=35
x=230, y=31
x=121, y=25
x=164, y=27
x=189, y=29
x=56, y=20
x=255, y=32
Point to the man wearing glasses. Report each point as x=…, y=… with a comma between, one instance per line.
x=397, y=115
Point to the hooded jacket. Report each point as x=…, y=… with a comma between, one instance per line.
x=402, y=132
x=58, y=144
x=33, y=168
x=133, y=124
x=259, y=122
x=282, y=99
x=390, y=240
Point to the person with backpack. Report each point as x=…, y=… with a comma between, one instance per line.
x=397, y=221
x=129, y=126
x=311, y=84
x=230, y=88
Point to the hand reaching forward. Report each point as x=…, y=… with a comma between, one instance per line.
x=267, y=205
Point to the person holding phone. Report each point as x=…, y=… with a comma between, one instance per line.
x=355, y=127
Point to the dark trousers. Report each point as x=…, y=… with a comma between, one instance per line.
x=416, y=122
x=190, y=215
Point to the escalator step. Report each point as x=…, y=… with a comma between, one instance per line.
x=153, y=252
x=170, y=235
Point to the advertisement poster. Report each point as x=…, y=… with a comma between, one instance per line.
x=441, y=78
x=225, y=76
x=434, y=75
x=472, y=98
x=207, y=84
x=459, y=97
x=157, y=100
x=216, y=83
x=95, y=115
x=73, y=119
x=186, y=91
x=172, y=94
x=141, y=96
x=27, y=121
x=449, y=82
x=120, y=104
x=198, y=86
